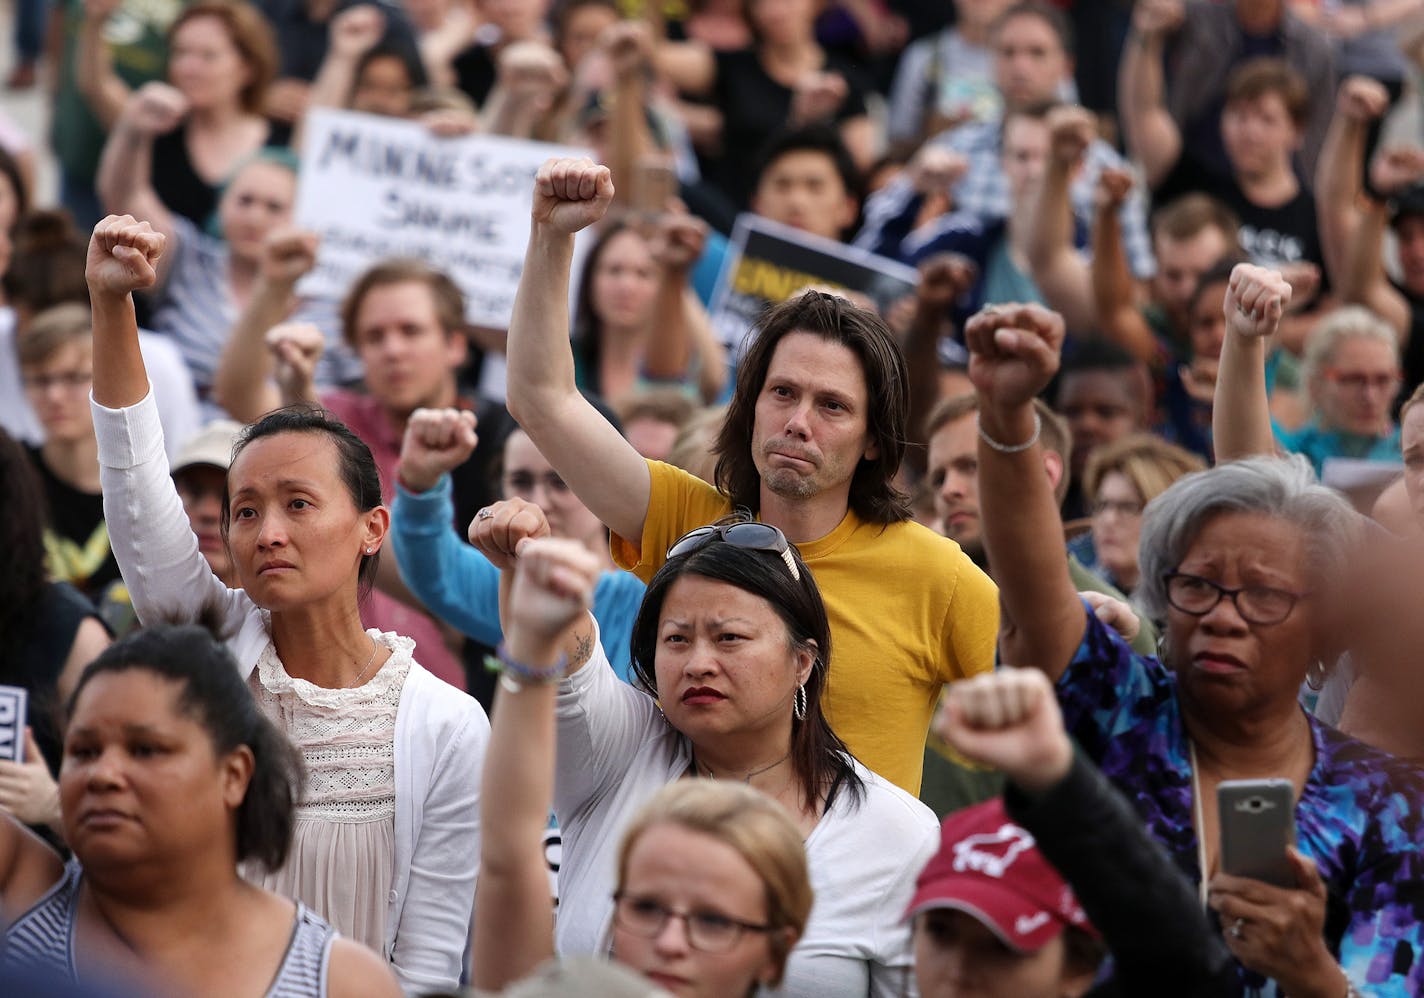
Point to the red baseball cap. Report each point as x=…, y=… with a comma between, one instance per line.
x=990, y=868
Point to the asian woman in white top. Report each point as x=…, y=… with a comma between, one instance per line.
x=387, y=836
x=733, y=642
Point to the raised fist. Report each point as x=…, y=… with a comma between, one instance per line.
x=296, y=348
x=1396, y=170
x=123, y=256
x=629, y=48
x=155, y=108
x=553, y=587
x=498, y=530
x=437, y=441
x=677, y=241
x=1256, y=298
x=817, y=97
x=1154, y=18
x=944, y=278
x=1071, y=130
x=1014, y=352
x=1304, y=280
x=288, y=255
x=357, y=30
x=1008, y=720
x=532, y=74
x=1362, y=99
x=1112, y=189
x=935, y=170
x=570, y=194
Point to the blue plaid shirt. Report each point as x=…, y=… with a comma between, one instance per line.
x=984, y=192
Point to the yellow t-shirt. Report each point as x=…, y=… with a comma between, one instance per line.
x=909, y=612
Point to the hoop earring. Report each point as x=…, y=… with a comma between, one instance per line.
x=798, y=704
x=1316, y=675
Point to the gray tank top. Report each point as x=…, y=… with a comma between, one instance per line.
x=43, y=939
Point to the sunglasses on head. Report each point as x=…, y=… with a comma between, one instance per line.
x=746, y=534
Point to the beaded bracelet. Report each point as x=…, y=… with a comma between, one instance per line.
x=522, y=674
x=1012, y=448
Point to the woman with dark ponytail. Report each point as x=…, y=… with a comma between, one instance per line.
x=386, y=839
x=172, y=776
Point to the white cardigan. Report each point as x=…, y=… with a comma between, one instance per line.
x=440, y=736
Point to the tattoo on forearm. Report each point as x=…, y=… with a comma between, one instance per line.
x=584, y=651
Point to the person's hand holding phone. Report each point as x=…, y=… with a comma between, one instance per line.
x=1279, y=931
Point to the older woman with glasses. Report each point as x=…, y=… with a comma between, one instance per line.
x=1240, y=561
x=732, y=640
x=1351, y=370
x=1120, y=480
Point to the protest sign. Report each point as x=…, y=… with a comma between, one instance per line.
x=374, y=188
x=12, y=723
x=768, y=262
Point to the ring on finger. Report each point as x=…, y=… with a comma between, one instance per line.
x=484, y=514
x=1238, y=928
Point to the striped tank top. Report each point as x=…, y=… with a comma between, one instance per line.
x=43, y=939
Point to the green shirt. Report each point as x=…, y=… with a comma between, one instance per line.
x=137, y=35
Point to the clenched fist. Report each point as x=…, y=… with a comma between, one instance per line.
x=571, y=194
x=123, y=256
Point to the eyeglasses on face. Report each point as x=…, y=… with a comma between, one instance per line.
x=707, y=931
x=1262, y=605
x=746, y=534
x=1361, y=381
x=1122, y=507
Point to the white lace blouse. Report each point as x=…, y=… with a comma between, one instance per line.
x=346, y=820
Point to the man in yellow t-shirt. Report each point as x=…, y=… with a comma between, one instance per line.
x=811, y=443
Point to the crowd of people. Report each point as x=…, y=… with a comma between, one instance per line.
x=1046, y=632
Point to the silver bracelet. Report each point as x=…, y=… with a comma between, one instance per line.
x=1015, y=448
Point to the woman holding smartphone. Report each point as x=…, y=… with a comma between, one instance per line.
x=1240, y=561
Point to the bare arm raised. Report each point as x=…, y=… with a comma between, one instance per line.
x=1153, y=138
x=1256, y=298
x=602, y=468
x=1014, y=352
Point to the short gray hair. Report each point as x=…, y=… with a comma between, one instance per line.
x=1343, y=324
x=1281, y=487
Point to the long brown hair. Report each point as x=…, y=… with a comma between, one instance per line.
x=873, y=494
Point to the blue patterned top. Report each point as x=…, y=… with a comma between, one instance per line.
x=1358, y=817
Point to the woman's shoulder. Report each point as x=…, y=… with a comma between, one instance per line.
x=882, y=808
x=437, y=704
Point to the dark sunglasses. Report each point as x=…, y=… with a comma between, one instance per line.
x=746, y=534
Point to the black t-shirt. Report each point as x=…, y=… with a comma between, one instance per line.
x=77, y=530
x=36, y=660
x=1287, y=233
x=755, y=107
x=178, y=185
x=302, y=42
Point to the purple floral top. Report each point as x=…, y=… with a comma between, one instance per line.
x=1358, y=817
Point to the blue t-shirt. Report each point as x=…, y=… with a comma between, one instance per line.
x=459, y=585
x=1318, y=444
x=1358, y=816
